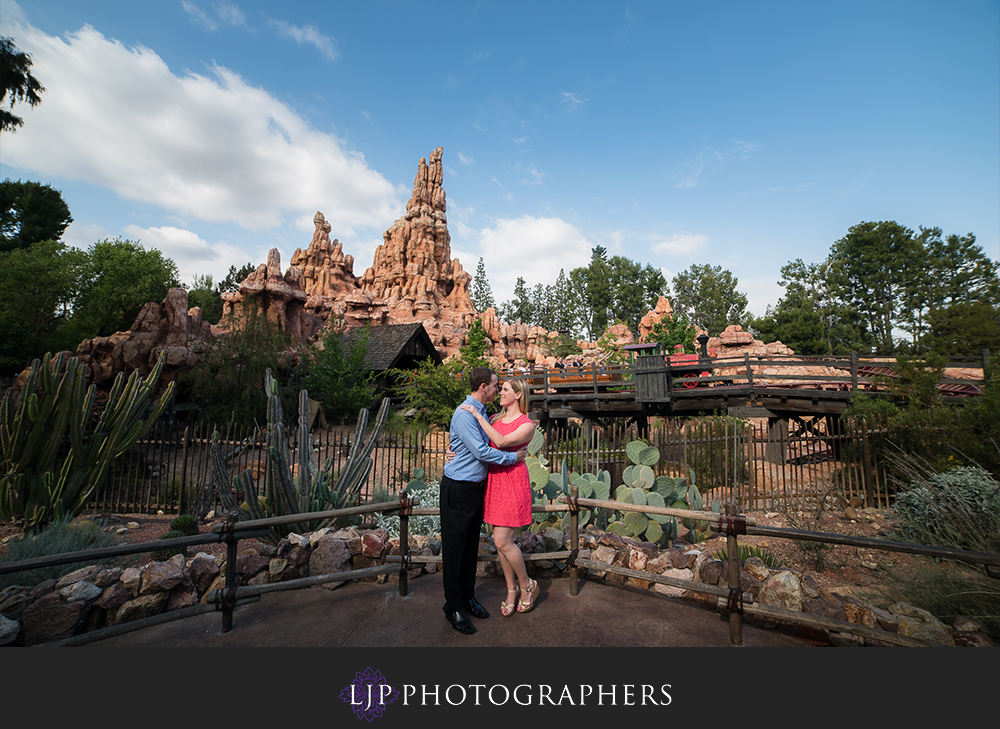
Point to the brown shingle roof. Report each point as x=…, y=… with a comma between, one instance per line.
x=392, y=345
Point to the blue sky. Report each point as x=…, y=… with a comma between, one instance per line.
x=737, y=134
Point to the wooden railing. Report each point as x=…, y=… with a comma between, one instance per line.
x=730, y=600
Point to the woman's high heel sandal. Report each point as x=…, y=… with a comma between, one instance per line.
x=525, y=605
x=507, y=608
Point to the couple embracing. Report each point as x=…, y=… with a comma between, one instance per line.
x=486, y=479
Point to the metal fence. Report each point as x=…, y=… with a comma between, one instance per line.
x=754, y=463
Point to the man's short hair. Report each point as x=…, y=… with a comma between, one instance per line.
x=481, y=376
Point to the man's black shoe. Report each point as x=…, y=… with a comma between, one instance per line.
x=473, y=608
x=460, y=622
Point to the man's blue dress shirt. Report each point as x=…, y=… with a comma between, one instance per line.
x=471, y=446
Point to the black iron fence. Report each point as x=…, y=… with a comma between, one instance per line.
x=754, y=463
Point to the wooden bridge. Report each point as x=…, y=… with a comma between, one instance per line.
x=775, y=387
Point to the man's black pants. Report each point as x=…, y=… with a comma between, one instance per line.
x=461, y=522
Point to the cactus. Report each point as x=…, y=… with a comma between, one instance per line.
x=311, y=489
x=642, y=487
x=162, y=555
x=186, y=524
x=53, y=456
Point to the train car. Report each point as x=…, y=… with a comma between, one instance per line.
x=685, y=369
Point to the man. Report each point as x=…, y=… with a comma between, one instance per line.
x=462, y=490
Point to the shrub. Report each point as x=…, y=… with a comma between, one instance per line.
x=426, y=526
x=58, y=537
x=959, y=509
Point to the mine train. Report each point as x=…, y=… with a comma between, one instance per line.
x=685, y=369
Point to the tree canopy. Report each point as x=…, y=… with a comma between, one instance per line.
x=30, y=212
x=17, y=82
x=39, y=283
x=708, y=296
x=120, y=277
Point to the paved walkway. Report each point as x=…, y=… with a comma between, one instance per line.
x=366, y=614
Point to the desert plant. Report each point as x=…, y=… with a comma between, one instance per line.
x=312, y=489
x=186, y=524
x=643, y=487
x=429, y=493
x=959, y=508
x=162, y=555
x=54, y=454
x=746, y=551
x=59, y=536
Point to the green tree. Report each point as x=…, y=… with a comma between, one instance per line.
x=481, y=294
x=598, y=290
x=338, y=375
x=954, y=271
x=435, y=390
x=208, y=298
x=16, y=80
x=963, y=329
x=234, y=278
x=796, y=323
x=520, y=307
x=38, y=284
x=227, y=388
x=671, y=331
x=871, y=269
x=634, y=290
x=708, y=296
x=120, y=278
x=473, y=352
x=30, y=212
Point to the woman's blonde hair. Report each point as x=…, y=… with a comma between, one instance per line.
x=520, y=387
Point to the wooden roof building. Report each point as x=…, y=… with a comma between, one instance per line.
x=399, y=346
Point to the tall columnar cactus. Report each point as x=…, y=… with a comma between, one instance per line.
x=54, y=456
x=310, y=489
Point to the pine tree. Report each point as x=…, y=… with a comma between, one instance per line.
x=481, y=294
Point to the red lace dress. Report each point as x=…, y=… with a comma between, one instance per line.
x=508, y=488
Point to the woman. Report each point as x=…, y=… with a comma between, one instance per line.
x=507, y=505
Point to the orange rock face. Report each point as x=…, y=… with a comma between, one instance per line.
x=413, y=271
x=168, y=327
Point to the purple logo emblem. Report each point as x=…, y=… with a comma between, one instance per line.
x=369, y=694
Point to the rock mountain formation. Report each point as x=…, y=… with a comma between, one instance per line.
x=412, y=278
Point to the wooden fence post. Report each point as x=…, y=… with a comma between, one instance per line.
x=404, y=547
x=184, y=470
x=574, y=539
x=733, y=559
x=867, y=466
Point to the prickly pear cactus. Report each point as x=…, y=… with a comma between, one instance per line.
x=643, y=488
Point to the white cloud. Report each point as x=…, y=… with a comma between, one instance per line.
x=679, y=244
x=533, y=248
x=224, y=14
x=465, y=160
x=477, y=57
x=534, y=176
x=307, y=34
x=710, y=161
x=521, y=140
x=572, y=101
x=193, y=255
x=209, y=147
